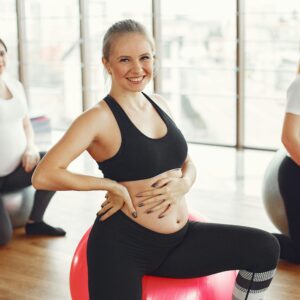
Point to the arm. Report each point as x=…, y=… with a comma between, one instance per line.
x=28, y=132
x=291, y=135
x=31, y=155
x=189, y=173
x=52, y=173
x=26, y=121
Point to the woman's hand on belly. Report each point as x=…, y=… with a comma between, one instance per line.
x=166, y=193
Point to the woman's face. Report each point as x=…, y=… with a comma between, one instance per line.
x=130, y=62
x=3, y=59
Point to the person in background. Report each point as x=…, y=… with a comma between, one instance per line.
x=19, y=155
x=143, y=226
x=289, y=174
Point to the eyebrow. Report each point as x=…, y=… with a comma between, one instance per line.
x=127, y=56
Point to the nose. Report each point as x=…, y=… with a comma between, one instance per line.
x=137, y=67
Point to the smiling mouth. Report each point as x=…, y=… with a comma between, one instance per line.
x=136, y=80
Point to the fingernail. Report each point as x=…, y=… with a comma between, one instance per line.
x=134, y=214
x=141, y=204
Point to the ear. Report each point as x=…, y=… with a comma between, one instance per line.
x=106, y=65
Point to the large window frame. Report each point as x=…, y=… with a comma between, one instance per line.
x=158, y=84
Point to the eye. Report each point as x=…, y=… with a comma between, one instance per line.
x=145, y=57
x=124, y=60
x=2, y=53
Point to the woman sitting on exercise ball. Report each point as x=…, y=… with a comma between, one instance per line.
x=289, y=174
x=143, y=226
x=18, y=155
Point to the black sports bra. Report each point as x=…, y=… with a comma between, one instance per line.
x=141, y=157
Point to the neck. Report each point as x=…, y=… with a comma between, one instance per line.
x=130, y=99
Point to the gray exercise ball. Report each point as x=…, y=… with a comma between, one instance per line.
x=272, y=199
x=19, y=205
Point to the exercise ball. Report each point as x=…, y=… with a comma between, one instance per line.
x=213, y=287
x=18, y=205
x=272, y=198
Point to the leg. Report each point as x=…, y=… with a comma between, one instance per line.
x=288, y=179
x=212, y=248
x=111, y=273
x=40, y=204
x=5, y=225
x=19, y=179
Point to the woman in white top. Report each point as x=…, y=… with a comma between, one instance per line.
x=289, y=174
x=18, y=155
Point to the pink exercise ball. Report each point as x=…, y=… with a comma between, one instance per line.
x=213, y=287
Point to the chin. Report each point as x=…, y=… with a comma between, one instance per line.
x=138, y=89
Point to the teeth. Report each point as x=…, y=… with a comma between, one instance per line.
x=136, y=79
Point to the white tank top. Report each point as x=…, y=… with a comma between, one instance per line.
x=12, y=135
x=293, y=97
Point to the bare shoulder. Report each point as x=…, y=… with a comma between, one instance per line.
x=97, y=114
x=89, y=125
x=161, y=102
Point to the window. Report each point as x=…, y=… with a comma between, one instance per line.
x=53, y=59
x=198, y=62
x=272, y=33
x=8, y=33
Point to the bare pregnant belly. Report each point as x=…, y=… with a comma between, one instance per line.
x=176, y=216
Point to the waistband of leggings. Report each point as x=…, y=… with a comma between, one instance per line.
x=148, y=234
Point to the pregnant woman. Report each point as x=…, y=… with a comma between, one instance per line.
x=143, y=225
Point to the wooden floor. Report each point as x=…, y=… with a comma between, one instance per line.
x=227, y=190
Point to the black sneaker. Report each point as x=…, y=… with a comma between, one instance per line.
x=42, y=228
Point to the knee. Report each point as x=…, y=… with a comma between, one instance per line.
x=268, y=251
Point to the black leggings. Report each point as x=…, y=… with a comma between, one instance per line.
x=289, y=186
x=15, y=181
x=120, y=252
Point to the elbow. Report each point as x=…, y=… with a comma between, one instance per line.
x=284, y=139
x=288, y=141
x=39, y=180
x=291, y=145
x=36, y=181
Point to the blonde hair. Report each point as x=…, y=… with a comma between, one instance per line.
x=123, y=27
